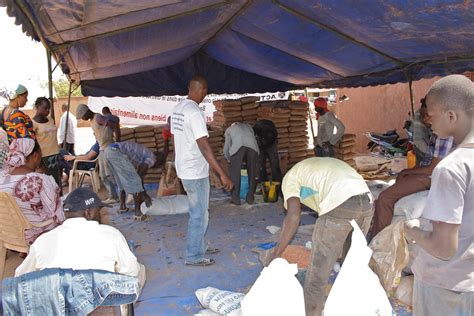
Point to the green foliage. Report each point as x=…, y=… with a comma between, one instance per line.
x=61, y=87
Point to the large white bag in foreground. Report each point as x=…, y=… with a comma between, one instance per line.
x=276, y=292
x=357, y=290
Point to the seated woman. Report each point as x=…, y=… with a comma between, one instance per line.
x=36, y=194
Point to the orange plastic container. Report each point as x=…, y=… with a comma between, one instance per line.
x=411, y=159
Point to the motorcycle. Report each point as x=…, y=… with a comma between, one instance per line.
x=389, y=143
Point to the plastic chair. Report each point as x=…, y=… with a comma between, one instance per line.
x=77, y=176
x=12, y=227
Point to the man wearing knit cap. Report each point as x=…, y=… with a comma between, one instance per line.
x=114, y=167
x=326, y=138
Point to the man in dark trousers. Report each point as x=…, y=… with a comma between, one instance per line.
x=240, y=145
x=267, y=139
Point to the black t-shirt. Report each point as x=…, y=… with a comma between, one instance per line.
x=266, y=133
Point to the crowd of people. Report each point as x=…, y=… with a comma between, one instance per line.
x=443, y=271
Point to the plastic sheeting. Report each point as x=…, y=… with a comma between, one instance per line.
x=114, y=48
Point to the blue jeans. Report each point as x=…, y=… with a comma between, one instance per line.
x=198, y=196
x=66, y=292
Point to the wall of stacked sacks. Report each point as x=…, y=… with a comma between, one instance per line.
x=290, y=119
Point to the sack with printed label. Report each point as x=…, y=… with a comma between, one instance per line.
x=220, y=302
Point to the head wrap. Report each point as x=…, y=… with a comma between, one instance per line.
x=322, y=104
x=10, y=95
x=18, y=91
x=19, y=149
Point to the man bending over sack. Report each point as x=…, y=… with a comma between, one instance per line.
x=240, y=145
x=338, y=194
x=142, y=159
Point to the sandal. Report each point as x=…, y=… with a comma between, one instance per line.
x=212, y=251
x=203, y=262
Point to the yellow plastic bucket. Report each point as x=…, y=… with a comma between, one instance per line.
x=270, y=191
x=411, y=159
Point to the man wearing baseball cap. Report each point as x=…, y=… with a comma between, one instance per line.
x=326, y=138
x=82, y=243
x=114, y=166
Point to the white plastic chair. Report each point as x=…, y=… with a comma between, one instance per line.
x=77, y=176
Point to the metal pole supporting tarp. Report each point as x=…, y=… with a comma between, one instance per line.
x=412, y=101
x=310, y=118
x=67, y=114
x=50, y=83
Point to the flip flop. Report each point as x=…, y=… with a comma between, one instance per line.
x=202, y=263
x=212, y=251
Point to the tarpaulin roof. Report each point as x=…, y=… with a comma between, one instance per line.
x=141, y=47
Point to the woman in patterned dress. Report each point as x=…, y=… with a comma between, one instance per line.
x=36, y=194
x=16, y=123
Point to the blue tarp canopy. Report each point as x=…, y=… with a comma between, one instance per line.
x=142, y=48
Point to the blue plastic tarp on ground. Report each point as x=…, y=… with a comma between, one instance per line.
x=120, y=48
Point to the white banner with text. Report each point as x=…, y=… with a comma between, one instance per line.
x=155, y=110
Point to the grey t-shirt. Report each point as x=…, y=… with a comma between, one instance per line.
x=239, y=135
x=451, y=200
x=326, y=124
